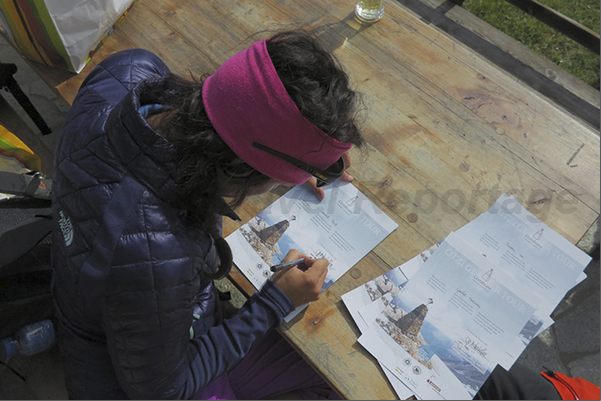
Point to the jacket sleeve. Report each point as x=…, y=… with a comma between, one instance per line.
x=149, y=341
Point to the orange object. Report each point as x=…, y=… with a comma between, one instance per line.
x=572, y=388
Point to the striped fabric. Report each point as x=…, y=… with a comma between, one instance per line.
x=34, y=31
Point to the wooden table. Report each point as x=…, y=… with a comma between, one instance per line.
x=447, y=133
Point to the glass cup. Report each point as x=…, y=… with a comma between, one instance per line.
x=369, y=10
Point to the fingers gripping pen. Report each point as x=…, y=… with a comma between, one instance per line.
x=284, y=265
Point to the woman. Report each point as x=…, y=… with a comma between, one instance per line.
x=141, y=168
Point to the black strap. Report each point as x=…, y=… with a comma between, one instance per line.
x=92, y=277
x=25, y=185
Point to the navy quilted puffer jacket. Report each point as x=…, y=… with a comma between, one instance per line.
x=137, y=317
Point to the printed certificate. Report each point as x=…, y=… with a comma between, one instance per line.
x=372, y=297
x=444, y=333
x=342, y=228
x=527, y=249
x=390, y=283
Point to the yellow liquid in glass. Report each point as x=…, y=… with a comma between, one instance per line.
x=369, y=10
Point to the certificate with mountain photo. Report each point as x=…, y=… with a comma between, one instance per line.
x=444, y=333
x=370, y=294
x=375, y=295
x=365, y=303
x=516, y=241
x=342, y=228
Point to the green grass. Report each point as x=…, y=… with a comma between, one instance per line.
x=556, y=47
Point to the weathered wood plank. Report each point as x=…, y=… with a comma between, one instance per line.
x=513, y=48
x=516, y=114
x=474, y=167
x=567, y=99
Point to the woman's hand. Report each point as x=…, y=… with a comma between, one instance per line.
x=302, y=283
x=312, y=183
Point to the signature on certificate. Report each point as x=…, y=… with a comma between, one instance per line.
x=475, y=346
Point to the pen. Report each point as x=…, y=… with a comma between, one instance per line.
x=284, y=265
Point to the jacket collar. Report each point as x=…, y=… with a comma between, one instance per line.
x=145, y=154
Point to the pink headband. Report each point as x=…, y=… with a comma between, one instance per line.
x=247, y=102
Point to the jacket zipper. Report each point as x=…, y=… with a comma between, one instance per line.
x=559, y=379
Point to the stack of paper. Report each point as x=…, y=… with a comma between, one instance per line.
x=441, y=322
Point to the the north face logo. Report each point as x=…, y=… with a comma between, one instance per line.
x=66, y=227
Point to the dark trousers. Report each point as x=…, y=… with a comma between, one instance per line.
x=520, y=383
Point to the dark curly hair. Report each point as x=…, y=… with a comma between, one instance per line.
x=315, y=82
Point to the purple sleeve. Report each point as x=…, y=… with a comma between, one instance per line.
x=162, y=362
x=223, y=346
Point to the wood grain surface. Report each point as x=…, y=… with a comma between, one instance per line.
x=447, y=133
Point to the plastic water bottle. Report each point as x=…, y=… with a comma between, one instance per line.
x=28, y=340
